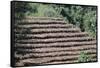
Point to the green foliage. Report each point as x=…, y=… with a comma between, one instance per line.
x=45, y=10
x=83, y=17
x=41, y=10
x=90, y=22
x=73, y=14
x=84, y=57
x=20, y=9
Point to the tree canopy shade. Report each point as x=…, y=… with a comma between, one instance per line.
x=81, y=16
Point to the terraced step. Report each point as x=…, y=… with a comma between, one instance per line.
x=42, y=18
x=53, y=35
x=55, y=44
x=43, y=26
x=51, y=62
x=30, y=22
x=54, y=40
x=25, y=51
x=41, y=31
x=49, y=40
x=53, y=54
x=66, y=62
x=60, y=48
x=49, y=59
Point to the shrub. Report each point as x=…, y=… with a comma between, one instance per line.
x=84, y=57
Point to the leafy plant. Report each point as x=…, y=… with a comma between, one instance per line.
x=84, y=57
